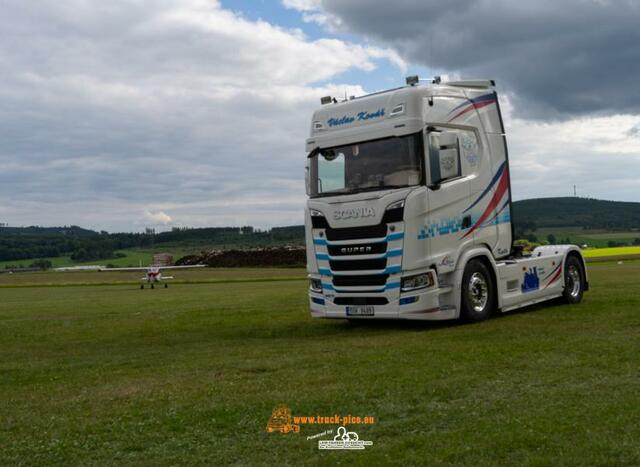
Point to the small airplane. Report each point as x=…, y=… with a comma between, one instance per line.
x=153, y=273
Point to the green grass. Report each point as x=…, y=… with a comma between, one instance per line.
x=189, y=375
x=186, y=276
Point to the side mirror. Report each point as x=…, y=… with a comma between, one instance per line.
x=307, y=179
x=444, y=156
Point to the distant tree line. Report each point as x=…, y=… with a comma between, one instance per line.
x=586, y=213
x=20, y=243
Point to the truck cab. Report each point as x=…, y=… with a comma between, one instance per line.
x=409, y=209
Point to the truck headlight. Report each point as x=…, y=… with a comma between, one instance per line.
x=396, y=205
x=315, y=285
x=419, y=281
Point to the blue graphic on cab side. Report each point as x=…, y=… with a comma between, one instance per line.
x=454, y=224
x=443, y=227
x=531, y=281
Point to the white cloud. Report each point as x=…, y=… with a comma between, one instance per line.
x=157, y=218
x=312, y=12
x=599, y=155
x=115, y=107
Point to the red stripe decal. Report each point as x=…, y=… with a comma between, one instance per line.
x=501, y=189
x=478, y=105
x=554, y=278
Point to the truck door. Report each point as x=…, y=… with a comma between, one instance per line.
x=448, y=195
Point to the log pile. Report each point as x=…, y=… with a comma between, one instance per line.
x=253, y=257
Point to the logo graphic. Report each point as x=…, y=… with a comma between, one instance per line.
x=447, y=261
x=344, y=440
x=531, y=280
x=281, y=421
x=360, y=116
x=354, y=213
x=472, y=159
x=355, y=249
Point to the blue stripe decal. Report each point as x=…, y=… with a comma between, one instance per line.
x=388, y=238
x=327, y=286
x=388, y=254
x=390, y=285
x=395, y=236
x=493, y=182
x=389, y=270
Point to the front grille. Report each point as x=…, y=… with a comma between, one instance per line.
x=338, y=268
x=360, y=301
x=358, y=264
x=356, y=233
x=364, y=280
x=359, y=249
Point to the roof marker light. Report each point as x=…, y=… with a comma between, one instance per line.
x=325, y=100
x=397, y=110
x=412, y=80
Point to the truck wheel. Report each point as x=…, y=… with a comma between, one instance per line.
x=478, y=292
x=573, y=280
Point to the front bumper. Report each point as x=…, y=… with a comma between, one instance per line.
x=424, y=304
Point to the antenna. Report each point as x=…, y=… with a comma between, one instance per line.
x=574, y=191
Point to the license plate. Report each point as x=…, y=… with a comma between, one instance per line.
x=360, y=310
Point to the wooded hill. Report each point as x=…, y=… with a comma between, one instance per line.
x=577, y=212
x=17, y=243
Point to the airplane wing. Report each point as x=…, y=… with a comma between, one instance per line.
x=123, y=269
x=183, y=267
x=147, y=267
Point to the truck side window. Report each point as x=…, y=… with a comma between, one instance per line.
x=444, y=156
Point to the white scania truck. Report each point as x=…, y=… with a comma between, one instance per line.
x=409, y=210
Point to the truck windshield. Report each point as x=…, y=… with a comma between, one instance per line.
x=372, y=165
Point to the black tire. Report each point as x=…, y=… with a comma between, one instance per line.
x=574, y=280
x=141, y=286
x=478, y=296
x=166, y=286
x=152, y=286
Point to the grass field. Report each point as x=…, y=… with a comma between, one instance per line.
x=593, y=237
x=93, y=374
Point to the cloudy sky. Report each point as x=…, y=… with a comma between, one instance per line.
x=131, y=113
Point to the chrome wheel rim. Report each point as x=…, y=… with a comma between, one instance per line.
x=478, y=292
x=573, y=281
